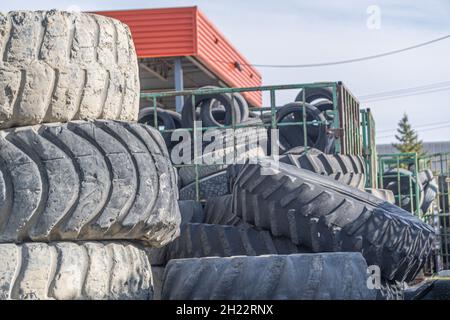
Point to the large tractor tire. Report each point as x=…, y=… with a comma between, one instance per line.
x=74, y=271
x=383, y=194
x=328, y=276
x=348, y=169
x=198, y=240
x=403, y=184
x=325, y=215
x=219, y=210
x=60, y=66
x=87, y=180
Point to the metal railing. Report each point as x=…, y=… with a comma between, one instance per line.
x=344, y=124
x=369, y=148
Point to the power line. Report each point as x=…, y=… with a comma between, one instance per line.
x=429, y=129
x=406, y=95
x=419, y=126
x=404, y=90
x=323, y=64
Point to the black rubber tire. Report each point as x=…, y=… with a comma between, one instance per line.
x=74, y=271
x=59, y=66
x=444, y=202
x=325, y=215
x=243, y=106
x=383, y=194
x=348, y=169
x=164, y=119
x=429, y=290
x=313, y=94
x=87, y=180
x=292, y=136
x=207, y=112
x=214, y=185
x=198, y=240
x=157, y=277
x=219, y=210
x=206, y=102
x=176, y=118
x=391, y=291
x=191, y=211
x=328, y=276
x=187, y=173
x=403, y=200
x=430, y=189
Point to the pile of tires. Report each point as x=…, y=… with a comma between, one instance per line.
x=82, y=185
x=316, y=106
x=403, y=184
x=210, y=177
x=305, y=223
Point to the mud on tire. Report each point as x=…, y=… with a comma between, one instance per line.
x=74, y=271
x=59, y=66
x=87, y=180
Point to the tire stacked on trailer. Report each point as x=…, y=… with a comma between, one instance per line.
x=80, y=181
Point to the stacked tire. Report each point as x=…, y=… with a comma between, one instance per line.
x=81, y=183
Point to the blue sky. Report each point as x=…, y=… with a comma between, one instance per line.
x=301, y=32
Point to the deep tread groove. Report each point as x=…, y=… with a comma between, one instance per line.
x=138, y=211
x=330, y=216
x=342, y=168
x=68, y=43
x=270, y=277
x=62, y=270
x=202, y=240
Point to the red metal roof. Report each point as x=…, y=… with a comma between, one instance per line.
x=171, y=32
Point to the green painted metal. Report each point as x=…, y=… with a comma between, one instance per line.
x=345, y=109
x=396, y=161
x=369, y=149
x=345, y=122
x=438, y=215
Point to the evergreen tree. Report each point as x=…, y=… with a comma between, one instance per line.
x=408, y=138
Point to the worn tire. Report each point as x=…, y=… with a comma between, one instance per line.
x=74, y=271
x=348, y=169
x=328, y=276
x=205, y=101
x=430, y=189
x=157, y=275
x=59, y=66
x=86, y=180
x=383, y=194
x=293, y=135
x=176, y=118
x=164, y=120
x=429, y=290
x=198, y=240
x=324, y=215
x=245, y=144
x=314, y=94
x=444, y=203
x=219, y=210
x=191, y=211
x=211, y=186
x=407, y=181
